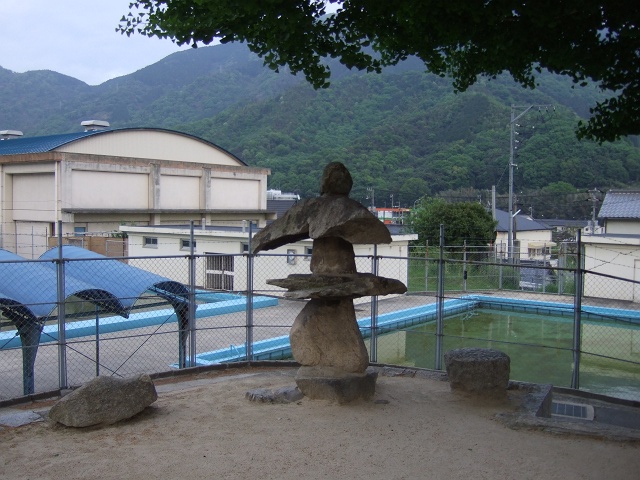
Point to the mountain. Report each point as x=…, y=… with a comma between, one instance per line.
x=185, y=86
x=402, y=133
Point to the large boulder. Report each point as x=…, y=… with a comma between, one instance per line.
x=104, y=400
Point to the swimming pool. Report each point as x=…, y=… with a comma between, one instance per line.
x=538, y=337
x=539, y=344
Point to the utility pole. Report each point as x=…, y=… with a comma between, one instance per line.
x=513, y=147
x=593, y=198
x=371, y=193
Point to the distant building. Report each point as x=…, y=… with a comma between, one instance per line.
x=279, y=202
x=95, y=180
x=391, y=215
x=531, y=239
x=616, y=251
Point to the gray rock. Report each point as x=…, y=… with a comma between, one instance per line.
x=326, y=333
x=336, y=179
x=332, y=255
x=104, y=400
x=18, y=418
x=281, y=395
x=478, y=370
x=322, y=383
x=326, y=216
x=338, y=286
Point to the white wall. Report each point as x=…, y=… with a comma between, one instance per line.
x=34, y=197
x=614, y=227
x=525, y=237
x=611, y=256
x=178, y=192
x=112, y=190
x=237, y=194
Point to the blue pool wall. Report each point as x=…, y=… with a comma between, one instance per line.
x=279, y=348
x=222, y=303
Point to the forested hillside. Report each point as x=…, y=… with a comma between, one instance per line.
x=403, y=133
x=408, y=135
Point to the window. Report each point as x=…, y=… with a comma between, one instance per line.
x=150, y=242
x=219, y=271
x=291, y=256
x=245, y=248
x=79, y=231
x=308, y=251
x=186, y=244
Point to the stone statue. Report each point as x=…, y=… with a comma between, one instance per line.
x=325, y=338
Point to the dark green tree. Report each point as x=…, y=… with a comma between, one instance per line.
x=589, y=40
x=463, y=221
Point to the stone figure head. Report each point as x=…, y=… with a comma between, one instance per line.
x=336, y=180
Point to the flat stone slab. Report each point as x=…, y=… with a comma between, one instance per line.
x=338, y=286
x=17, y=418
x=280, y=395
x=478, y=370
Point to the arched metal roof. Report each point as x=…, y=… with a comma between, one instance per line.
x=29, y=288
x=17, y=146
x=48, y=143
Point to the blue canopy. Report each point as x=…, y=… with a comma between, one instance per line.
x=29, y=288
x=29, y=293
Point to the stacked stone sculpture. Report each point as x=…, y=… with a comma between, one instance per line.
x=325, y=338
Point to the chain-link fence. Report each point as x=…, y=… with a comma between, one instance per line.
x=153, y=314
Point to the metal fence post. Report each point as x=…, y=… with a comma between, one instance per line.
x=373, y=339
x=426, y=267
x=501, y=260
x=62, y=340
x=464, y=266
x=192, y=300
x=577, y=317
x=249, y=309
x=440, y=300
x=97, y=310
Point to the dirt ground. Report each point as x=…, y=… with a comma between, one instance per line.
x=205, y=428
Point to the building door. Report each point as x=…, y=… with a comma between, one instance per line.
x=31, y=239
x=219, y=271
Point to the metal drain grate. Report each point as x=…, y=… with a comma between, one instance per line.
x=573, y=410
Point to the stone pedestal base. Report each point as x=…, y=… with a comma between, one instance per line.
x=478, y=370
x=326, y=383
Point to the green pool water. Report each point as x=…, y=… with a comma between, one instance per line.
x=539, y=347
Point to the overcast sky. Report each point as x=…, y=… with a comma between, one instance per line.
x=75, y=38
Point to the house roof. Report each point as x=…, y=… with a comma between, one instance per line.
x=620, y=204
x=280, y=206
x=560, y=222
x=48, y=143
x=522, y=223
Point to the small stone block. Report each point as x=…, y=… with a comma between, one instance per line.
x=478, y=370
